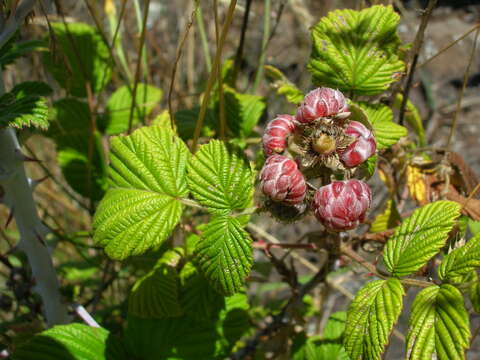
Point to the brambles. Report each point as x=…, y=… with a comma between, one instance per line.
x=325, y=144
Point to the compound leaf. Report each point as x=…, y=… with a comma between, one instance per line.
x=357, y=51
x=224, y=254
x=462, y=260
x=220, y=178
x=371, y=317
x=72, y=342
x=420, y=237
x=438, y=326
x=147, y=175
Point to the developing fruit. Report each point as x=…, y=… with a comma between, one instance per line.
x=342, y=205
x=276, y=133
x=322, y=102
x=281, y=180
x=362, y=148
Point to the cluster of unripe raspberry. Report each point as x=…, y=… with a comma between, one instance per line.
x=324, y=145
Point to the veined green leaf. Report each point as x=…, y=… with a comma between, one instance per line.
x=185, y=338
x=474, y=292
x=199, y=300
x=220, y=178
x=156, y=294
x=371, y=317
x=462, y=260
x=186, y=120
x=243, y=111
x=356, y=51
x=224, y=254
x=439, y=325
x=25, y=106
x=78, y=57
x=80, y=152
x=116, y=120
x=420, y=237
x=388, y=219
x=386, y=131
x=141, y=209
x=14, y=49
x=72, y=342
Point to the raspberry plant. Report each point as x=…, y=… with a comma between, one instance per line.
x=190, y=213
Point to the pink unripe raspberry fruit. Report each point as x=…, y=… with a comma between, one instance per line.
x=362, y=148
x=342, y=205
x=282, y=181
x=276, y=133
x=322, y=102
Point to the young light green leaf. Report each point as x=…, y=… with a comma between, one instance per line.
x=220, y=178
x=388, y=219
x=72, y=342
x=371, y=317
x=462, y=260
x=420, y=237
x=283, y=86
x=198, y=298
x=386, y=131
x=25, y=106
x=438, y=326
x=224, y=254
x=80, y=58
x=412, y=117
x=116, y=120
x=156, y=294
x=243, y=111
x=186, y=338
x=141, y=209
x=357, y=51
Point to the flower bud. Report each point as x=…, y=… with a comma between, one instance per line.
x=322, y=102
x=342, y=205
x=276, y=133
x=282, y=181
x=362, y=148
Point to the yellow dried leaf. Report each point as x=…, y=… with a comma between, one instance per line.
x=416, y=184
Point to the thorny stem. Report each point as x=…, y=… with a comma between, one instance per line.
x=417, y=45
x=239, y=55
x=18, y=196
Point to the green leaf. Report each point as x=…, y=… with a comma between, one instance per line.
x=283, y=86
x=386, y=131
x=14, y=49
x=224, y=254
x=156, y=294
x=141, y=209
x=220, y=178
x=462, y=260
x=71, y=342
x=25, y=106
x=438, y=325
x=185, y=338
x=356, y=51
x=474, y=292
x=371, y=317
x=412, y=117
x=199, y=300
x=388, y=219
x=78, y=57
x=80, y=154
x=243, y=111
x=186, y=121
x=420, y=237
x=117, y=118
